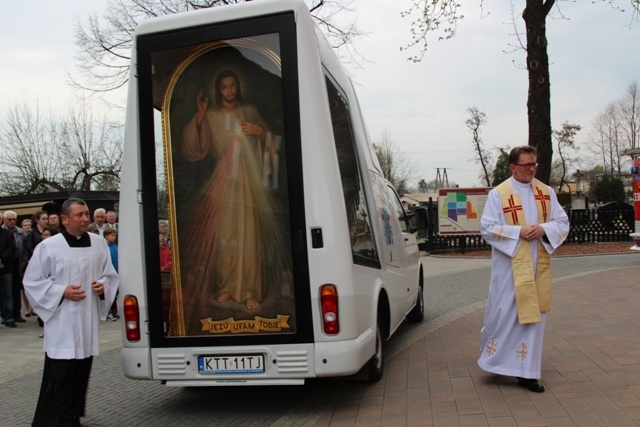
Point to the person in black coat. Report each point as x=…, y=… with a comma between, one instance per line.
x=10, y=219
x=7, y=254
x=34, y=236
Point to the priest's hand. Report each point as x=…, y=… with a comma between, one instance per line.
x=98, y=287
x=74, y=293
x=531, y=232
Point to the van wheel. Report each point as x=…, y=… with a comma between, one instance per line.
x=375, y=366
x=417, y=312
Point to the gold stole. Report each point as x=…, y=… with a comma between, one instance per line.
x=532, y=289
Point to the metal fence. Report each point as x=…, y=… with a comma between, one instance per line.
x=587, y=226
x=598, y=226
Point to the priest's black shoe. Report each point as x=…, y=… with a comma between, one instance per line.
x=531, y=385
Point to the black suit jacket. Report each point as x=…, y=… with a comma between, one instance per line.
x=31, y=240
x=7, y=250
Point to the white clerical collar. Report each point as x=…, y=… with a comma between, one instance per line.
x=521, y=185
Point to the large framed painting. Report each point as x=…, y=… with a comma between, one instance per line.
x=224, y=183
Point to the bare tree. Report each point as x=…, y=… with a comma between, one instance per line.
x=443, y=16
x=93, y=151
x=629, y=110
x=396, y=166
x=475, y=121
x=41, y=153
x=104, y=43
x=606, y=140
x=25, y=154
x=565, y=143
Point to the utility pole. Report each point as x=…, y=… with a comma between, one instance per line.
x=442, y=181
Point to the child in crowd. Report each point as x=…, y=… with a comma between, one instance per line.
x=165, y=254
x=46, y=233
x=163, y=226
x=111, y=235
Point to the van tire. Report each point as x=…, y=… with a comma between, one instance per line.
x=375, y=366
x=416, y=314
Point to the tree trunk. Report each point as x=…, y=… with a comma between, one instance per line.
x=563, y=165
x=539, y=99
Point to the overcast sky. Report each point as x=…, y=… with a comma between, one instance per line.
x=594, y=57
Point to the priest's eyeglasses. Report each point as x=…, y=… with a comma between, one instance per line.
x=527, y=165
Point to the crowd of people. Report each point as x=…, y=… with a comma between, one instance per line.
x=17, y=244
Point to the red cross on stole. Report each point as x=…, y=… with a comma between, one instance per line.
x=513, y=210
x=541, y=197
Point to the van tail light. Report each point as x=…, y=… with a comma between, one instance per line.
x=131, y=317
x=329, y=304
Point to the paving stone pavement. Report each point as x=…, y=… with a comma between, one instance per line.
x=591, y=370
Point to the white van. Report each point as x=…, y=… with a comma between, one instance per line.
x=259, y=242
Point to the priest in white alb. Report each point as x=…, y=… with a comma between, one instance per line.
x=71, y=283
x=524, y=224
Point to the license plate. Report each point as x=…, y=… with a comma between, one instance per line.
x=231, y=364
